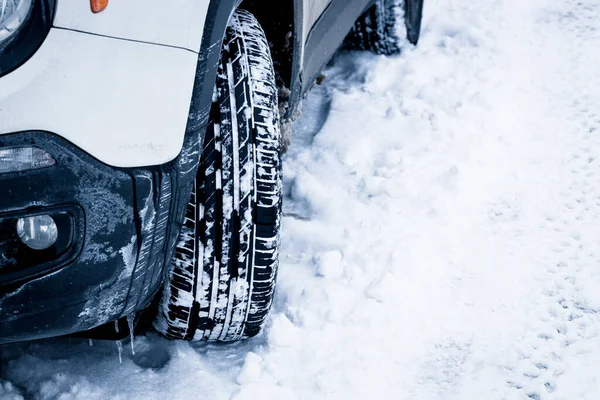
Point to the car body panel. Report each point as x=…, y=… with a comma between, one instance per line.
x=123, y=102
x=180, y=23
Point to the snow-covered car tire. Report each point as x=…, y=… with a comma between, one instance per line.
x=222, y=278
x=380, y=28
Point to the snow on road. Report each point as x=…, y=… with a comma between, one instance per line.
x=442, y=238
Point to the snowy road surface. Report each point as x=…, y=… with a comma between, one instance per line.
x=442, y=238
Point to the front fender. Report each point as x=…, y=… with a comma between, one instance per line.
x=179, y=23
x=124, y=103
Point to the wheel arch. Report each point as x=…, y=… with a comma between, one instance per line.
x=282, y=22
x=278, y=19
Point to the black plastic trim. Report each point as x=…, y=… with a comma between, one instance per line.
x=219, y=13
x=129, y=217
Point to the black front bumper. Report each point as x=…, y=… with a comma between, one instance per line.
x=122, y=228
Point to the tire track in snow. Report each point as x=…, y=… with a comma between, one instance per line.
x=553, y=362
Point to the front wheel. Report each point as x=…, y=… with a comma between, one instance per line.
x=222, y=278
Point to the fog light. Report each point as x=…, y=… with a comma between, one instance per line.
x=39, y=232
x=19, y=159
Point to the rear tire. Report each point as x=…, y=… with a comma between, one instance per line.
x=222, y=278
x=386, y=26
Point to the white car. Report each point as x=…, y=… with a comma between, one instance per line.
x=140, y=155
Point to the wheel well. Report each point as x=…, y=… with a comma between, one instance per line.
x=276, y=17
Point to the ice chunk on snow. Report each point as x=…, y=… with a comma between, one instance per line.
x=330, y=264
x=282, y=332
x=251, y=369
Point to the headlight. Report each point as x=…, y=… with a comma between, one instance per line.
x=24, y=24
x=13, y=14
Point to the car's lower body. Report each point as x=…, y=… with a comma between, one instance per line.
x=208, y=235
x=114, y=116
x=117, y=228
x=198, y=232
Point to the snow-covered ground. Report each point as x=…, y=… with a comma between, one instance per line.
x=442, y=238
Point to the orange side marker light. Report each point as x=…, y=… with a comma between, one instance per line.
x=98, y=5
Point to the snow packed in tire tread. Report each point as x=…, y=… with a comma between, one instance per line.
x=222, y=277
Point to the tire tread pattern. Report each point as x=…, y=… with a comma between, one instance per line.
x=222, y=277
x=380, y=29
